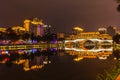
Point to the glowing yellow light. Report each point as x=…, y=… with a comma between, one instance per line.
x=115, y=58
x=3, y=61
x=19, y=62
x=3, y=29
x=78, y=59
x=34, y=67
x=34, y=22
x=78, y=28
x=16, y=28
x=26, y=69
x=26, y=21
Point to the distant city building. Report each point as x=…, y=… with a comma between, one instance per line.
x=84, y=35
x=47, y=29
x=34, y=26
x=89, y=35
x=111, y=30
x=18, y=29
x=27, y=25
x=60, y=35
x=105, y=37
x=102, y=30
x=3, y=29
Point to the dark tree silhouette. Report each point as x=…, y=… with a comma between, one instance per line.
x=116, y=38
x=11, y=35
x=118, y=7
x=2, y=34
x=26, y=36
x=38, y=38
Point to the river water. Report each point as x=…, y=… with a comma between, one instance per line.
x=53, y=64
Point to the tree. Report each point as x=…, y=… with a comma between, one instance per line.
x=2, y=34
x=26, y=36
x=116, y=38
x=10, y=33
x=118, y=8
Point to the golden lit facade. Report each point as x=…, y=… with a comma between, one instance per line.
x=37, y=29
x=60, y=35
x=3, y=29
x=27, y=25
x=18, y=29
x=35, y=26
x=89, y=35
x=105, y=36
x=77, y=30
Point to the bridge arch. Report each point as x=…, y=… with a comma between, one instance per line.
x=88, y=44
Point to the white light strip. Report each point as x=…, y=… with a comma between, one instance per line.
x=88, y=39
x=93, y=50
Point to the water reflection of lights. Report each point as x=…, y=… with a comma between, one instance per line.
x=30, y=59
x=102, y=57
x=94, y=53
x=93, y=50
x=34, y=67
x=78, y=58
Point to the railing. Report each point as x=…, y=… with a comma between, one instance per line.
x=27, y=46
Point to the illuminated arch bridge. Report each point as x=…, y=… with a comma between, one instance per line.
x=95, y=45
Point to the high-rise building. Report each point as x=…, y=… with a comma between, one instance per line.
x=27, y=25
x=34, y=26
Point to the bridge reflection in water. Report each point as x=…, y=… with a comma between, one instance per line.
x=91, y=48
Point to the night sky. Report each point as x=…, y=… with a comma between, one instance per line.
x=62, y=15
